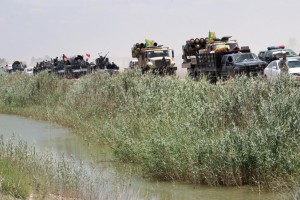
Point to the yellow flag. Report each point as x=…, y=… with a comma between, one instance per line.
x=149, y=43
x=211, y=36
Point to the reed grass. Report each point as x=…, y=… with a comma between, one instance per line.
x=23, y=172
x=27, y=174
x=243, y=132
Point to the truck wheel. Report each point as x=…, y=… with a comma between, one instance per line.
x=171, y=72
x=145, y=70
x=213, y=80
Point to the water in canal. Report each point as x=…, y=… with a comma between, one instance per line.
x=48, y=137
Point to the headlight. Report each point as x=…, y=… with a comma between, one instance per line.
x=150, y=64
x=172, y=64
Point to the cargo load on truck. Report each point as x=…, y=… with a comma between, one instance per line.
x=206, y=56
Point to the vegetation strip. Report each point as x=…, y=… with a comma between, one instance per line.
x=243, y=132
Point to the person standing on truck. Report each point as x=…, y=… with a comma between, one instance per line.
x=237, y=49
x=164, y=62
x=282, y=63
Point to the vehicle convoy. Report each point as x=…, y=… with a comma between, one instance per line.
x=219, y=58
x=75, y=66
x=155, y=58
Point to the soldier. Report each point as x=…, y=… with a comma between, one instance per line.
x=114, y=66
x=164, y=62
x=101, y=62
x=55, y=61
x=107, y=63
x=282, y=63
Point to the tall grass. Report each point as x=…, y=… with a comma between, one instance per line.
x=26, y=174
x=23, y=172
x=243, y=132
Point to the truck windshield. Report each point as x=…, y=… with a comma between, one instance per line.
x=289, y=53
x=244, y=57
x=158, y=53
x=294, y=64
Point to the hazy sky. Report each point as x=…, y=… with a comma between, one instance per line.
x=36, y=28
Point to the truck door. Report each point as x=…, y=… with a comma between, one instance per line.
x=227, y=65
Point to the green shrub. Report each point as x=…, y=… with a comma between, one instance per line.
x=245, y=131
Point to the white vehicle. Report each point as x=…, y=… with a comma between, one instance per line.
x=28, y=70
x=8, y=68
x=134, y=63
x=273, y=70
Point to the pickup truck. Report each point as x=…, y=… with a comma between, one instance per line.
x=242, y=63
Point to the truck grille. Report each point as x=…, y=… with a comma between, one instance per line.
x=158, y=63
x=251, y=69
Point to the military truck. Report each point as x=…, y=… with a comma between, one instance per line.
x=205, y=57
x=155, y=58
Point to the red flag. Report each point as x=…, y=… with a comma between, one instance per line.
x=65, y=57
x=88, y=55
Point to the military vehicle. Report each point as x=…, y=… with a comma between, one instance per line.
x=104, y=65
x=76, y=67
x=205, y=57
x=51, y=66
x=155, y=58
x=18, y=66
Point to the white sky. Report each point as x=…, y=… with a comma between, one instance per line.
x=36, y=28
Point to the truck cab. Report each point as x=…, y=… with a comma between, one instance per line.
x=242, y=63
x=158, y=59
x=153, y=57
